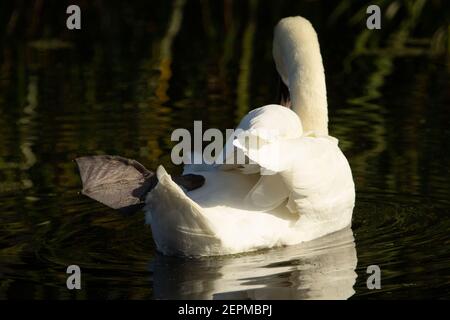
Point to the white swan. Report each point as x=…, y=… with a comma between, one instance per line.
x=303, y=191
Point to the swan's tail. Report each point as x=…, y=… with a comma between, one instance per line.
x=179, y=226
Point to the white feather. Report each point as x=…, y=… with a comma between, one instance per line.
x=298, y=188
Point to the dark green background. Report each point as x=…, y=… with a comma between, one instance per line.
x=129, y=77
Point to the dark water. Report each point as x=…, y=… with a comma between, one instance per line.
x=135, y=73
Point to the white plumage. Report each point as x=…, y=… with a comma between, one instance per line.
x=299, y=186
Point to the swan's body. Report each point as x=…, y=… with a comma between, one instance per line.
x=216, y=218
x=306, y=191
x=298, y=186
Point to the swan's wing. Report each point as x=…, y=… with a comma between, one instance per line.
x=321, y=180
x=268, y=193
x=273, y=155
x=276, y=155
x=314, y=170
x=271, y=120
x=115, y=181
x=273, y=117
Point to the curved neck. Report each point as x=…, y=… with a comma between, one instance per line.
x=299, y=62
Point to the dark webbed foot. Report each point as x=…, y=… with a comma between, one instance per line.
x=190, y=181
x=122, y=183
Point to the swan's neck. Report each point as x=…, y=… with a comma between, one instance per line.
x=299, y=62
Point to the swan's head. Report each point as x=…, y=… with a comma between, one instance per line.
x=297, y=57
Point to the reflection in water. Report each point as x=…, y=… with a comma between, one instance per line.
x=319, y=269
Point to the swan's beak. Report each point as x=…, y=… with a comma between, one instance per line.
x=283, y=96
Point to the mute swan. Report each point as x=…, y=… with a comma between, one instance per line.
x=302, y=191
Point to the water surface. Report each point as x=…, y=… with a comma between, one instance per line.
x=136, y=72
